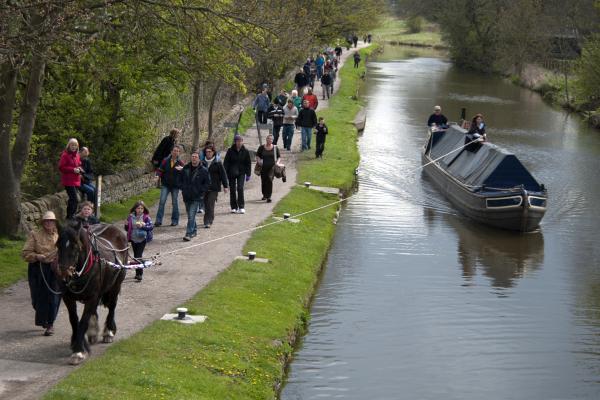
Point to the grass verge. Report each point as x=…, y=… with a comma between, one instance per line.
x=12, y=266
x=254, y=310
x=395, y=31
x=112, y=212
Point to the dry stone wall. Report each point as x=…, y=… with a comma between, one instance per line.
x=114, y=188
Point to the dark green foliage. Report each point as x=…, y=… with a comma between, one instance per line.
x=107, y=101
x=414, y=24
x=588, y=74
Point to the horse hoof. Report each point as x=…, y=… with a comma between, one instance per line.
x=77, y=358
x=108, y=337
x=92, y=339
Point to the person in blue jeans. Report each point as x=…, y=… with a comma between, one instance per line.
x=169, y=173
x=290, y=113
x=307, y=120
x=320, y=62
x=194, y=184
x=87, y=175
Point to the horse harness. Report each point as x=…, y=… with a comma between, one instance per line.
x=83, y=277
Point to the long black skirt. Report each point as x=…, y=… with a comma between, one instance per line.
x=44, y=302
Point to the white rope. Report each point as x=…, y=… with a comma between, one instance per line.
x=145, y=264
x=300, y=214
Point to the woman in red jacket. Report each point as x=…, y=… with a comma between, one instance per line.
x=70, y=174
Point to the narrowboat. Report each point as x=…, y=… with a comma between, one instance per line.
x=485, y=182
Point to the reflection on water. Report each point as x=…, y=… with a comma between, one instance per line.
x=418, y=302
x=495, y=253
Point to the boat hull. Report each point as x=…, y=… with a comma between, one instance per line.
x=524, y=217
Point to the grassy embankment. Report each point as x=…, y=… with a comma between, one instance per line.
x=12, y=266
x=396, y=32
x=254, y=310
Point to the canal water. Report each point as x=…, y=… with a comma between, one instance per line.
x=416, y=301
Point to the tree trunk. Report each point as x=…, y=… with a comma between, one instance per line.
x=9, y=195
x=196, y=116
x=20, y=151
x=210, y=109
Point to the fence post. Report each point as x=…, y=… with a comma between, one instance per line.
x=98, y=196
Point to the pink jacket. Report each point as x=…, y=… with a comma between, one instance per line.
x=68, y=162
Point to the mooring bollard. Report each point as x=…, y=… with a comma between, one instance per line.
x=286, y=215
x=307, y=184
x=181, y=312
x=251, y=255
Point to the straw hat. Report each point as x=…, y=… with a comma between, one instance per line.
x=49, y=216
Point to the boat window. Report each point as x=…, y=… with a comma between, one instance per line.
x=537, y=201
x=513, y=201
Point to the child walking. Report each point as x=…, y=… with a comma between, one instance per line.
x=322, y=132
x=139, y=232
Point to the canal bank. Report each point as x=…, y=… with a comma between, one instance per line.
x=255, y=311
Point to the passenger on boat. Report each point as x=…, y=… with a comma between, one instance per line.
x=478, y=126
x=476, y=133
x=437, y=118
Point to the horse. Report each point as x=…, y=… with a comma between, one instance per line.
x=83, y=263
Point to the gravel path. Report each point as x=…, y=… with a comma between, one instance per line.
x=30, y=363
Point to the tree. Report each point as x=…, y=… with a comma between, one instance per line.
x=521, y=35
x=588, y=72
x=31, y=31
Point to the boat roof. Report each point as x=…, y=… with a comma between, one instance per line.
x=490, y=166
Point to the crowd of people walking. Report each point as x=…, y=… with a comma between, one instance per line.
x=200, y=180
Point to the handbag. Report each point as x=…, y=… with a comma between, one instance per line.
x=257, y=169
x=279, y=170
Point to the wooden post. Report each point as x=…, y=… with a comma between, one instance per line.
x=98, y=195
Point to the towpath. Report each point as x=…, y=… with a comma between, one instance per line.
x=30, y=363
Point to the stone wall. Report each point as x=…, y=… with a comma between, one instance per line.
x=114, y=188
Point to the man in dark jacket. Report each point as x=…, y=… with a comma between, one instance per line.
x=194, y=184
x=275, y=114
x=218, y=177
x=301, y=81
x=437, y=118
x=169, y=173
x=356, y=57
x=239, y=169
x=307, y=120
x=326, y=82
x=164, y=148
x=281, y=99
